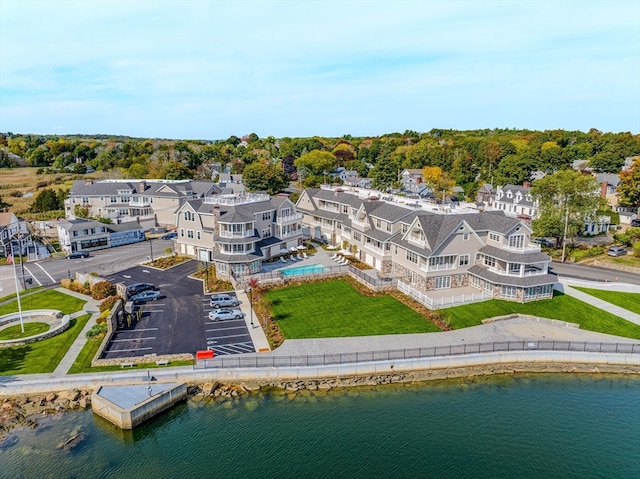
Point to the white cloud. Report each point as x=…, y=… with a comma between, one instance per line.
x=196, y=68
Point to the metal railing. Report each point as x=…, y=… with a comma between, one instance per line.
x=261, y=361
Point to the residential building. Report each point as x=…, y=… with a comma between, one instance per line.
x=147, y=202
x=15, y=237
x=488, y=252
x=412, y=180
x=516, y=201
x=238, y=233
x=88, y=235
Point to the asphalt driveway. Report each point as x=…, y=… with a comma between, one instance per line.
x=177, y=322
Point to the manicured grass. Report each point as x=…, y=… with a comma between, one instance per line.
x=630, y=301
x=42, y=356
x=49, y=299
x=335, y=309
x=562, y=307
x=30, y=329
x=82, y=364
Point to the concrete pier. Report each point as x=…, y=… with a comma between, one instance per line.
x=129, y=406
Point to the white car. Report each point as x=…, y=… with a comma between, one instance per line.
x=222, y=314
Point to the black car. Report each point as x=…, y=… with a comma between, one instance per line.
x=169, y=236
x=635, y=223
x=78, y=254
x=136, y=288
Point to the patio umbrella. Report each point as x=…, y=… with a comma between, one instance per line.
x=302, y=247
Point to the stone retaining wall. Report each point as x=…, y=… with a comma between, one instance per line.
x=617, y=267
x=40, y=314
x=147, y=359
x=528, y=317
x=381, y=371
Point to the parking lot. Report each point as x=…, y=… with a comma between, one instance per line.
x=177, y=322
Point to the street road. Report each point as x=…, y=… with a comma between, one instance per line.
x=593, y=273
x=103, y=262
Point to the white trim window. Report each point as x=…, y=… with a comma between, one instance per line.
x=516, y=241
x=509, y=292
x=464, y=260
x=442, y=282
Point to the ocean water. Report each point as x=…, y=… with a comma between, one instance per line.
x=529, y=426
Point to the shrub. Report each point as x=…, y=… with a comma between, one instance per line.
x=636, y=249
x=97, y=330
x=581, y=254
x=102, y=290
x=73, y=285
x=108, y=303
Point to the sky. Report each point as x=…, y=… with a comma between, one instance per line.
x=211, y=69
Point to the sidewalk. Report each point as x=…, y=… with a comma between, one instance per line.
x=91, y=307
x=600, y=304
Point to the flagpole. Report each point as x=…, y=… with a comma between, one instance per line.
x=15, y=277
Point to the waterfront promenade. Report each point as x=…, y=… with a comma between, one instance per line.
x=516, y=329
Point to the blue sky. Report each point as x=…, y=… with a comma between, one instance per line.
x=209, y=70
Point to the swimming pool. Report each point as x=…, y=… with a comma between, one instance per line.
x=307, y=269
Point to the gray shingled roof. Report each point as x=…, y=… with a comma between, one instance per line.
x=505, y=280
x=514, y=256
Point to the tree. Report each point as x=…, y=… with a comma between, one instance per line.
x=566, y=200
x=174, y=170
x=316, y=161
x=439, y=182
x=606, y=162
x=629, y=187
x=260, y=176
x=47, y=200
x=513, y=170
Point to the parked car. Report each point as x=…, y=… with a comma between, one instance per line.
x=136, y=288
x=157, y=230
x=635, y=223
x=78, y=254
x=169, y=236
x=223, y=301
x=616, y=251
x=544, y=242
x=145, y=296
x=222, y=314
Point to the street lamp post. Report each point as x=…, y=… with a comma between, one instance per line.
x=566, y=226
x=151, y=248
x=251, y=305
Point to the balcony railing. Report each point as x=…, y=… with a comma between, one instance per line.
x=235, y=234
x=285, y=220
x=438, y=267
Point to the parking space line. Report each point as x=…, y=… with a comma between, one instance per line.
x=128, y=350
x=136, y=330
x=243, y=327
x=231, y=336
x=131, y=339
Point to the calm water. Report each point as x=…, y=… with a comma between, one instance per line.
x=498, y=427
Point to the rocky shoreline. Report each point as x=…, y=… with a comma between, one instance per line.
x=25, y=411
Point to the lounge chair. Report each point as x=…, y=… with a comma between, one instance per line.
x=304, y=255
x=333, y=256
x=338, y=258
x=283, y=259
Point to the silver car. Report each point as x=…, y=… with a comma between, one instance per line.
x=223, y=301
x=222, y=314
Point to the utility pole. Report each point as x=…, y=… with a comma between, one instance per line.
x=566, y=227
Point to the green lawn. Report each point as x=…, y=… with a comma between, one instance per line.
x=335, y=309
x=82, y=364
x=30, y=329
x=49, y=299
x=42, y=356
x=630, y=301
x=562, y=307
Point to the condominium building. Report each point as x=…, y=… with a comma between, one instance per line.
x=238, y=233
x=488, y=252
x=148, y=202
